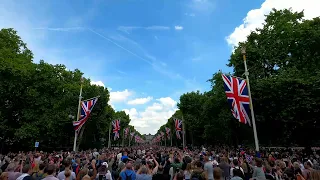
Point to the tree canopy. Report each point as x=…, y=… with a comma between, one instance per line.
x=38, y=99
x=283, y=58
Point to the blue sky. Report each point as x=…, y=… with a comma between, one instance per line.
x=147, y=52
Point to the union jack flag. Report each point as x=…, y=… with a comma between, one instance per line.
x=126, y=132
x=168, y=132
x=162, y=135
x=238, y=97
x=116, y=128
x=178, y=126
x=132, y=134
x=86, y=108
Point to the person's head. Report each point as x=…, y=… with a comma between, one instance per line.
x=67, y=163
x=179, y=175
x=235, y=162
x=258, y=162
x=4, y=176
x=206, y=158
x=42, y=166
x=160, y=169
x=217, y=173
x=27, y=169
x=188, y=168
x=51, y=169
x=144, y=170
x=103, y=168
x=67, y=173
x=224, y=160
x=129, y=166
x=198, y=164
x=308, y=164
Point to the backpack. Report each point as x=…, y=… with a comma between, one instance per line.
x=128, y=177
x=197, y=176
x=36, y=176
x=238, y=172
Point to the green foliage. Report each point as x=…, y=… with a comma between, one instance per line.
x=38, y=99
x=283, y=58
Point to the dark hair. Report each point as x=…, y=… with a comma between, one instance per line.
x=26, y=168
x=51, y=168
x=258, y=162
x=235, y=162
x=42, y=166
x=67, y=162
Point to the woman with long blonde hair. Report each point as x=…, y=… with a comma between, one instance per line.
x=187, y=172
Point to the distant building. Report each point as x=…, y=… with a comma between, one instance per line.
x=148, y=137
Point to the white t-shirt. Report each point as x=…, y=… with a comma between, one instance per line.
x=187, y=175
x=108, y=176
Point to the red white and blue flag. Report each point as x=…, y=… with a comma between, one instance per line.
x=162, y=135
x=168, y=132
x=86, y=108
x=178, y=126
x=238, y=98
x=116, y=128
x=132, y=134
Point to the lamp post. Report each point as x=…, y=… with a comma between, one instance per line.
x=246, y=73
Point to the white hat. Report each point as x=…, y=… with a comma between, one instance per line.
x=105, y=164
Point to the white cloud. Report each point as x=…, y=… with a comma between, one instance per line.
x=98, y=83
x=119, y=96
x=140, y=101
x=255, y=17
x=178, y=28
x=152, y=117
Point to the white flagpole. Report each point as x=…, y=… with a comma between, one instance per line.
x=183, y=134
x=109, y=142
x=171, y=137
x=165, y=140
x=246, y=73
x=129, y=138
x=79, y=106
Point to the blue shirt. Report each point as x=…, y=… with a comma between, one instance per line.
x=126, y=173
x=124, y=157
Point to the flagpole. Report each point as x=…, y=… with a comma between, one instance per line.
x=78, y=114
x=171, y=136
x=246, y=72
x=183, y=133
x=123, y=138
x=129, y=138
x=165, y=140
x=109, y=142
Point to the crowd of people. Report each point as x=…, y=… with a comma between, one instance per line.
x=151, y=162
